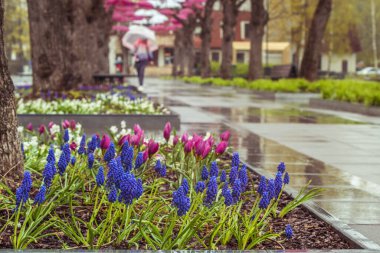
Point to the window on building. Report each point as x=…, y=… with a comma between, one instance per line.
x=215, y=56
x=244, y=30
x=240, y=57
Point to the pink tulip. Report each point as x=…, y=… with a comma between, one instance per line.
x=206, y=151
x=199, y=147
x=123, y=139
x=175, y=140
x=29, y=127
x=137, y=129
x=221, y=148
x=41, y=129
x=210, y=141
x=188, y=147
x=50, y=125
x=73, y=146
x=105, y=142
x=167, y=130
x=185, y=137
x=145, y=155
x=152, y=147
x=65, y=124
x=225, y=136
x=72, y=124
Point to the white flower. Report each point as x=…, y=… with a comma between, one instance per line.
x=123, y=124
x=20, y=129
x=54, y=129
x=113, y=129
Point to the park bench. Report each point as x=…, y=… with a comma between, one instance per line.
x=110, y=78
x=283, y=71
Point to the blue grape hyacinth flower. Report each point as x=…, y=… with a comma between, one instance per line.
x=281, y=167
x=110, y=153
x=243, y=176
x=288, y=231
x=212, y=190
x=128, y=187
x=181, y=201
x=90, y=160
x=185, y=185
x=139, y=160
x=127, y=156
x=262, y=185
x=278, y=183
x=271, y=189
x=66, y=136
x=100, y=176
x=158, y=166
x=228, y=199
x=22, y=192
x=40, y=197
x=204, y=173
x=233, y=174
x=163, y=171
x=223, y=176
x=236, y=190
x=200, y=187
x=73, y=160
x=82, y=145
x=48, y=174
x=66, y=150
x=112, y=196
x=214, y=170
x=264, y=201
x=51, y=157
x=235, y=160
x=62, y=163
x=286, y=178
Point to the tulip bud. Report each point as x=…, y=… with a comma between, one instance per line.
x=225, y=136
x=188, y=147
x=152, y=147
x=41, y=129
x=206, y=151
x=50, y=125
x=137, y=129
x=123, y=139
x=221, y=147
x=167, y=130
x=29, y=127
x=185, y=137
x=175, y=140
x=105, y=142
x=65, y=124
x=73, y=146
x=72, y=124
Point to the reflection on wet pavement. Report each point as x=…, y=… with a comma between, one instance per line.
x=206, y=109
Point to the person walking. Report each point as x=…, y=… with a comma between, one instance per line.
x=142, y=57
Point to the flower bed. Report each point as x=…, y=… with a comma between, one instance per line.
x=353, y=91
x=128, y=191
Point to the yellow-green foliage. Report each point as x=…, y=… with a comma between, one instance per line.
x=350, y=90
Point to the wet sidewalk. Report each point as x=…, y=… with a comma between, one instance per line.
x=336, y=151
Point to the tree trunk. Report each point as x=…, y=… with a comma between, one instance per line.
x=373, y=22
x=313, y=47
x=176, y=53
x=69, y=40
x=259, y=19
x=229, y=22
x=188, y=44
x=11, y=160
x=206, y=26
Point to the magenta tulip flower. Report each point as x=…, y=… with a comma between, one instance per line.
x=185, y=137
x=175, y=140
x=41, y=129
x=206, y=151
x=145, y=155
x=29, y=127
x=66, y=124
x=73, y=124
x=199, y=147
x=221, y=148
x=105, y=142
x=225, y=136
x=73, y=146
x=137, y=129
x=50, y=125
x=152, y=147
x=167, y=131
x=188, y=147
x=123, y=139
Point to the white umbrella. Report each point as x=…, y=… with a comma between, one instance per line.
x=139, y=32
x=158, y=19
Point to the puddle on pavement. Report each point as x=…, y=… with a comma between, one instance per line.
x=283, y=115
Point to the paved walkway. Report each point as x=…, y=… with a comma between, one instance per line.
x=337, y=151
